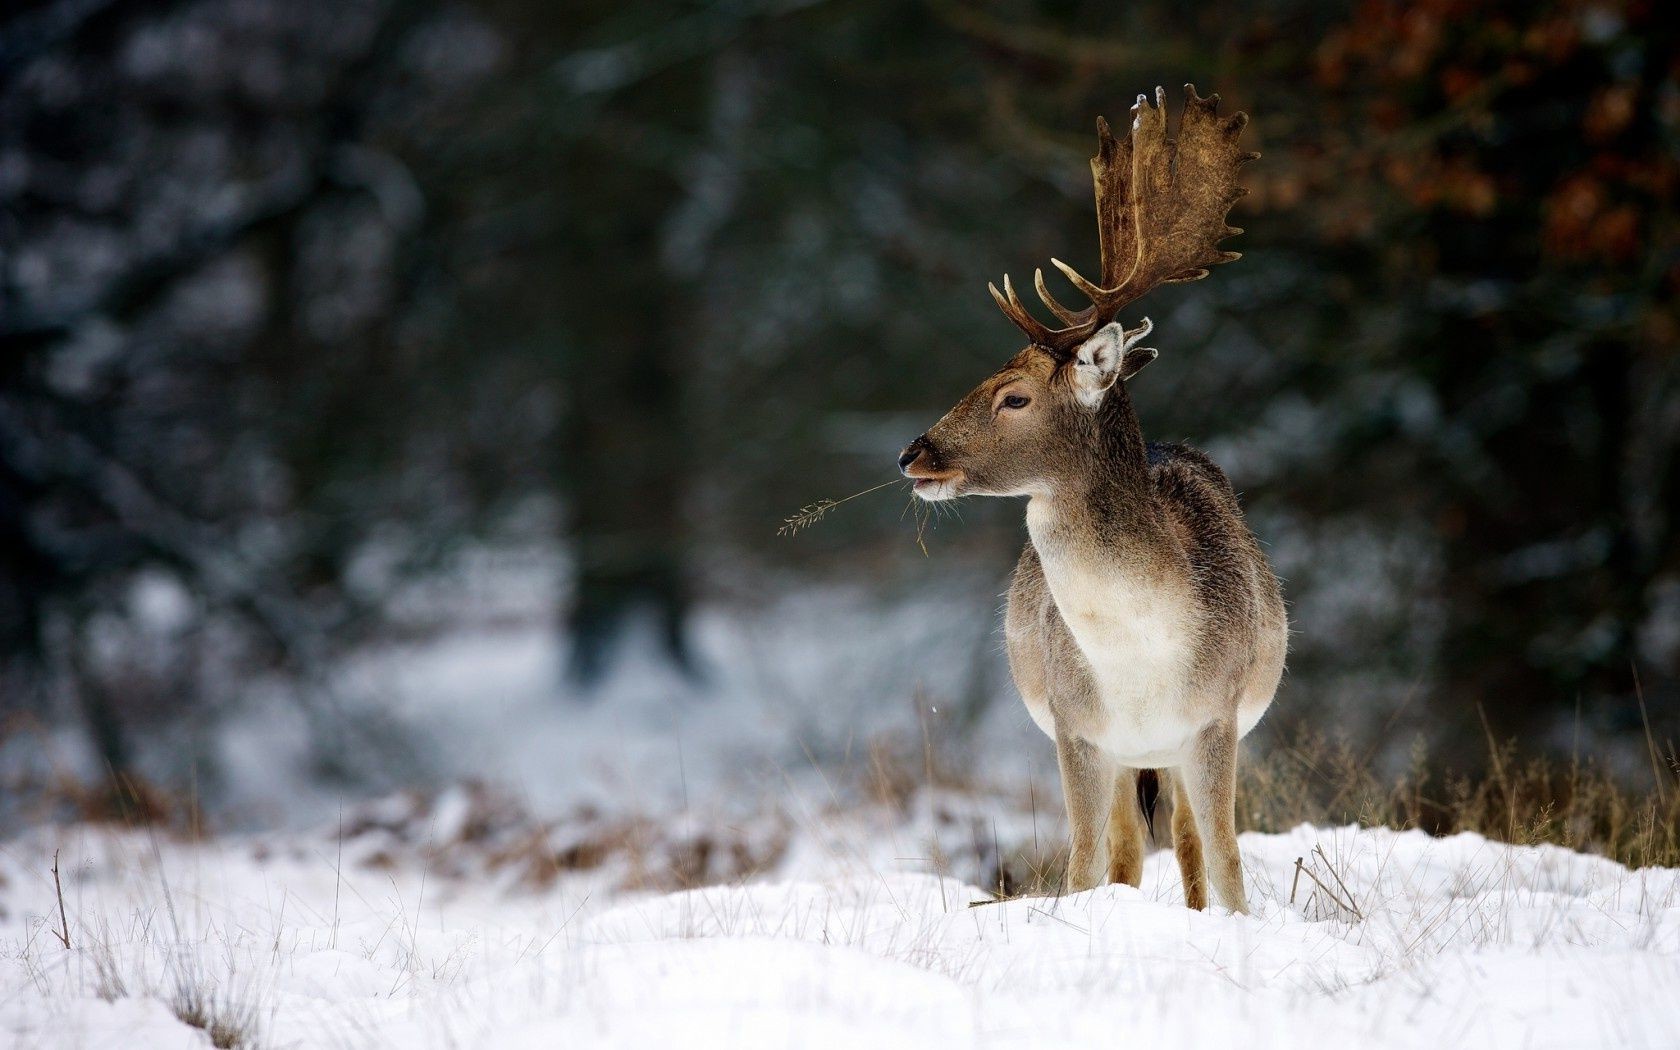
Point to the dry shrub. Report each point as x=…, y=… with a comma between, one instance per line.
x=899, y=768
x=646, y=854
x=125, y=801
x=472, y=829
x=1027, y=871
x=1518, y=798
x=936, y=785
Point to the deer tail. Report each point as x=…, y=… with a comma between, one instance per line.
x=1148, y=790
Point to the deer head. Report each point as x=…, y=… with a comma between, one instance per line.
x=1161, y=208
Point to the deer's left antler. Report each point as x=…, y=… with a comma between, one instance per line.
x=1161, y=208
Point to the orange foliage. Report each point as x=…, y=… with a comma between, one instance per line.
x=1440, y=89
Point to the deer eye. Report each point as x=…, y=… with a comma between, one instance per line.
x=1016, y=401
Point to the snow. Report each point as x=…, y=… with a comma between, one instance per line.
x=658, y=869
x=406, y=932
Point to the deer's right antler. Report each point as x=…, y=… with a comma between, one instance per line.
x=1161, y=208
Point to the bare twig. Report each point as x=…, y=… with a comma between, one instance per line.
x=63, y=931
x=1328, y=892
x=1295, y=884
x=1650, y=740
x=1352, y=906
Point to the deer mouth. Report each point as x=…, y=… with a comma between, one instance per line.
x=937, y=486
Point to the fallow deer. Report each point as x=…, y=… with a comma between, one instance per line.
x=1146, y=631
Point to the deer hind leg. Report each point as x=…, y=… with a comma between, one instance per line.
x=1187, y=846
x=1126, y=831
x=1210, y=782
x=1088, y=788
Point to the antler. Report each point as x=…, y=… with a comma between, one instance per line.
x=1161, y=207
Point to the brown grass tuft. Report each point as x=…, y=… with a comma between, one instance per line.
x=231, y=1024
x=1525, y=800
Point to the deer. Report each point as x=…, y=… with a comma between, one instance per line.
x=1145, y=629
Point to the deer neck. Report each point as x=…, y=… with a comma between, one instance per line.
x=1101, y=512
x=1116, y=571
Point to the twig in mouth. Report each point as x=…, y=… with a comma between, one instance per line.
x=812, y=513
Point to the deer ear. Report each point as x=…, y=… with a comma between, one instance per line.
x=1132, y=362
x=1110, y=356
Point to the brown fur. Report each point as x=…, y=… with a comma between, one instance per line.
x=1145, y=628
x=1160, y=521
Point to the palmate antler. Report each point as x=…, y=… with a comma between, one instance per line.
x=1161, y=207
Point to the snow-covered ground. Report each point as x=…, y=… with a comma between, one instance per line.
x=739, y=866
x=453, y=922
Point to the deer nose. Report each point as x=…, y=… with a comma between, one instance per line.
x=911, y=453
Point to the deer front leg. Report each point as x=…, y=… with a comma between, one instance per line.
x=1210, y=783
x=1088, y=789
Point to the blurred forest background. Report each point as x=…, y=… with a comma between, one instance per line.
x=333, y=326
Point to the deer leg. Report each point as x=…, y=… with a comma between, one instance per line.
x=1210, y=782
x=1188, y=847
x=1125, y=831
x=1088, y=789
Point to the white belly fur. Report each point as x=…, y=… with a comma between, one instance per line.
x=1137, y=640
x=1138, y=636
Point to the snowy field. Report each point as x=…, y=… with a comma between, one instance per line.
x=457, y=922
x=675, y=872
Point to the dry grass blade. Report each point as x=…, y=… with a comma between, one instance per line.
x=921, y=512
x=812, y=513
x=1650, y=739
